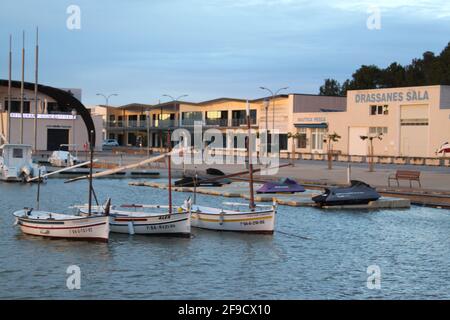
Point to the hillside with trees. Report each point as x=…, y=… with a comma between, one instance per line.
x=428, y=70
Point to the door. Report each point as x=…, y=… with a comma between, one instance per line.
x=317, y=137
x=57, y=137
x=357, y=146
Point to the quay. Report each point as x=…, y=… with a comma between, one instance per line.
x=240, y=190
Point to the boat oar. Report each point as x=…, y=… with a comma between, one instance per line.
x=61, y=170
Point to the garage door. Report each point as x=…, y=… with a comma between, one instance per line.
x=414, y=130
x=357, y=146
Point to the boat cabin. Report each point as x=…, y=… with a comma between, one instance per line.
x=15, y=155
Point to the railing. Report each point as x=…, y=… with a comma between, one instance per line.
x=242, y=121
x=217, y=122
x=191, y=122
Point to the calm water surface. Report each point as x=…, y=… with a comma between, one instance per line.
x=315, y=254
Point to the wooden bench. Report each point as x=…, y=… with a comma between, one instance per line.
x=405, y=175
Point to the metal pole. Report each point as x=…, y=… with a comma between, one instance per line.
x=38, y=190
x=169, y=166
x=250, y=163
x=91, y=146
x=22, y=87
x=9, y=89
x=148, y=133
x=36, y=90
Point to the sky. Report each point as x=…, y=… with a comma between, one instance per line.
x=143, y=49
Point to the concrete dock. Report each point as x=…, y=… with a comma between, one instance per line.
x=240, y=190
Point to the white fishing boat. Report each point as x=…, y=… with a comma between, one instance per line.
x=248, y=218
x=145, y=220
x=90, y=226
x=16, y=163
x=260, y=220
x=55, y=225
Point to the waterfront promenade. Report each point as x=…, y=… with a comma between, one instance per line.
x=316, y=172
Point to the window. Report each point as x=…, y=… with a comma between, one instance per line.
x=301, y=140
x=378, y=130
x=15, y=106
x=132, y=121
x=189, y=118
x=373, y=110
x=283, y=142
x=376, y=110
x=317, y=137
x=17, y=153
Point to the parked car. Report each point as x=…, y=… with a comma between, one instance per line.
x=62, y=159
x=109, y=143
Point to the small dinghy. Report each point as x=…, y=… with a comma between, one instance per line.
x=283, y=186
x=357, y=193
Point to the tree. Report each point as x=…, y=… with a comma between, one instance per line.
x=294, y=136
x=427, y=70
x=329, y=139
x=378, y=136
x=331, y=87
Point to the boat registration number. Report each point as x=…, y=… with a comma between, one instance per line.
x=81, y=231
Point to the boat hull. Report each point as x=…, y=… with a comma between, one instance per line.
x=249, y=222
x=178, y=224
x=88, y=228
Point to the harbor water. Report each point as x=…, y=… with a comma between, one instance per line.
x=313, y=254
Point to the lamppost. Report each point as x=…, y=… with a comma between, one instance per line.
x=273, y=103
x=107, y=97
x=74, y=118
x=147, y=113
x=173, y=100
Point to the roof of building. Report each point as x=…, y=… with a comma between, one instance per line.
x=63, y=98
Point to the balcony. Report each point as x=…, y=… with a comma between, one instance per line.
x=238, y=122
x=217, y=122
x=140, y=125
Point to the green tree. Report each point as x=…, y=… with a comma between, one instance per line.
x=331, y=87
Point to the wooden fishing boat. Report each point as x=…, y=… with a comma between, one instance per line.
x=55, y=225
x=259, y=220
x=144, y=220
x=252, y=219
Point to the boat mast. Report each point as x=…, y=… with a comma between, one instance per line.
x=38, y=190
x=91, y=145
x=36, y=89
x=9, y=89
x=22, y=88
x=169, y=168
x=249, y=155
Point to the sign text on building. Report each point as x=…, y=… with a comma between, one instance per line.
x=45, y=116
x=412, y=95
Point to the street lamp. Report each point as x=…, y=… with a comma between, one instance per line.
x=107, y=97
x=273, y=103
x=173, y=100
x=74, y=117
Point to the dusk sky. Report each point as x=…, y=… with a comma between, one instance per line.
x=143, y=49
